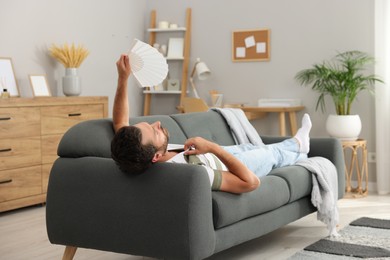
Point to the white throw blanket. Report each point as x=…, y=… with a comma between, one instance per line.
x=325, y=190
x=242, y=130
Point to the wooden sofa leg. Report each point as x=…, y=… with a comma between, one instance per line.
x=69, y=253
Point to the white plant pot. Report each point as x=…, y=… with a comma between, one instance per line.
x=71, y=83
x=346, y=127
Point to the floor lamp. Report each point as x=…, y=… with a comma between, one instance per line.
x=202, y=71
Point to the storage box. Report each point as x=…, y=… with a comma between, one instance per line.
x=279, y=102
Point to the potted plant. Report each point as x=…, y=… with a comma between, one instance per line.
x=343, y=79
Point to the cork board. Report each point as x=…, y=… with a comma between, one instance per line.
x=251, y=45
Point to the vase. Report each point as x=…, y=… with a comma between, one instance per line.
x=344, y=127
x=71, y=83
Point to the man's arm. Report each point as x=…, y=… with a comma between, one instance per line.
x=120, y=115
x=238, y=179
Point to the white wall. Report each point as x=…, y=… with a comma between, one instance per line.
x=106, y=28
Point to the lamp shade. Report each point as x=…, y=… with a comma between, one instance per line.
x=202, y=71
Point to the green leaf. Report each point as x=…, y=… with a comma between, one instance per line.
x=342, y=77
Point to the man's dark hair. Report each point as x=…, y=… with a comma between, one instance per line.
x=128, y=151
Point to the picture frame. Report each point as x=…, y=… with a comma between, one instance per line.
x=39, y=86
x=251, y=45
x=7, y=77
x=175, y=48
x=173, y=85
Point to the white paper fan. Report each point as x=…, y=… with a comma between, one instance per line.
x=148, y=65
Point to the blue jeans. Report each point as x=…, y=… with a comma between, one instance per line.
x=262, y=159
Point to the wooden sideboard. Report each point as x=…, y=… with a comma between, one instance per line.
x=30, y=131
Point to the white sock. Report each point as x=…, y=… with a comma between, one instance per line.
x=303, y=134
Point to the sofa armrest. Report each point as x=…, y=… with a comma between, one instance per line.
x=327, y=147
x=165, y=212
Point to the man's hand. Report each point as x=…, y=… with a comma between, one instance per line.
x=238, y=178
x=123, y=67
x=199, y=145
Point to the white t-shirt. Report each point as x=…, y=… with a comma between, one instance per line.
x=209, y=161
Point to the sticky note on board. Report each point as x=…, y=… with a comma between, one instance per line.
x=250, y=41
x=261, y=47
x=240, y=52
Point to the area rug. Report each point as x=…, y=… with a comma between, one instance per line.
x=367, y=238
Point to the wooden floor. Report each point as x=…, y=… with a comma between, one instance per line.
x=23, y=234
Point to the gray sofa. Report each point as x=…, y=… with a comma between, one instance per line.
x=169, y=212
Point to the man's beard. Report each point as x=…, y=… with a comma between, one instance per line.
x=164, y=147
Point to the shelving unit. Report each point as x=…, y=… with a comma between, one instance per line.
x=180, y=29
x=185, y=59
x=162, y=91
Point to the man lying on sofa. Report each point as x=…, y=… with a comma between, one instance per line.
x=235, y=169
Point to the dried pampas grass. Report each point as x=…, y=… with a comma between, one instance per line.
x=69, y=56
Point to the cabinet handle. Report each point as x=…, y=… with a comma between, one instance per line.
x=5, y=181
x=5, y=150
x=5, y=118
x=75, y=114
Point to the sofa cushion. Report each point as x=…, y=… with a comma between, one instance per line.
x=88, y=138
x=299, y=180
x=209, y=125
x=93, y=137
x=230, y=208
x=281, y=186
